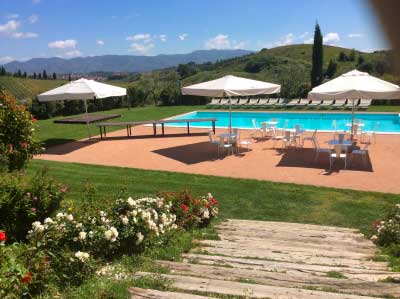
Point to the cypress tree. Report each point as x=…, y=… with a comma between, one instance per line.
x=34, y=75
x=317, y=58
x=40, y=76
x=44, y=74
x=54, y=76
x=3, y=71
x=24, y=75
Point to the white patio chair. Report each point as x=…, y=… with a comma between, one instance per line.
x=311, y=138
x=370, y=134
x=363, y=153
x=298, y=133
x=256, y=128
x=242, y=143
x=318, y=150
x=335, y=131
x=222, y=145
x=212, y=140
x=276, y=137
x=339, y=152
x=288, y=139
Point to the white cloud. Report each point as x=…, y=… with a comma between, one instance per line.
x=288, y=39
x=100, y=42
x=72, y=54
x=63, y=44
x=20, y=35
x=304, y=35
x=355, y=35
x=145, y=37
x=142, y=49
x=309, y=41
x=331, y=38
x=33, y=19
x=12, y=16
x=222, y=41
x=183, y=36
x=162, y=37
x=36, y=1
x=6, y=59
x=9, y=27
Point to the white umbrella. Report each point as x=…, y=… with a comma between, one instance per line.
x=355, y=85
x=231, y=86
x=82, y=89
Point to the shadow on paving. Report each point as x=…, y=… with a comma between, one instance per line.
x=149, y=136
x=195, y=153
x=305, y=158
x=69, y=147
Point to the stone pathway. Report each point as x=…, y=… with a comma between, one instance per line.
x=259, y=259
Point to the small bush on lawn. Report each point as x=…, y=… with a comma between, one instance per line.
x=388, y=230
x=24, y=201
x=17, y=143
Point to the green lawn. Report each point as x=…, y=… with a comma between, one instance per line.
x=52, y=134
x=239, y=198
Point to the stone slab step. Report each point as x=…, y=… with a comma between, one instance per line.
x=286, y=267
x=137, y=293
x=298, y=280
x=189, y=283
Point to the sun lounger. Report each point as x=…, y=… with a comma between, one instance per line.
x=242, y=102
x=339, y=103
x=327, y=103
x=293, y=103
x=214, y=102
x=281, y=103
x=303, y=102
x=349, y=104
x=252, y=103
x=224, y=103
x=364, y=103
x=234, y=102
x=272, y=102
x=262, y=103
x=315, y=103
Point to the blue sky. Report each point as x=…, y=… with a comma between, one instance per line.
x=71, y=28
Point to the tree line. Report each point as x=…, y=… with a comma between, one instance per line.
x=19, y=74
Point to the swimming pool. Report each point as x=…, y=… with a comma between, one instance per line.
x=388, y=123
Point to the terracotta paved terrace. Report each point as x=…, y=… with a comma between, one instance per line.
x=178, y=152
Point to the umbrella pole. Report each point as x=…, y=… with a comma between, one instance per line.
x=230, y=116
x=87, y=118
x=352, y=119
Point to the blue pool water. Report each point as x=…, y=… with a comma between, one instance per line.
x=388, y=123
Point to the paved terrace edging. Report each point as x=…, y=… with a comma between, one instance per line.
x=262, y=259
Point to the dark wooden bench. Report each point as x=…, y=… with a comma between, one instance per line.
x=129, y=124
x=86, y=119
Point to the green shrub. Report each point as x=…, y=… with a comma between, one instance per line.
x=17, y=143
x=388, y=230
x=24, y=201
x=192, y=212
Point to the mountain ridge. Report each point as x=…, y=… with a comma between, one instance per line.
x=119, y=63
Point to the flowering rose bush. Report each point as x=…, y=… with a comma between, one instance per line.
x=23, y=201
x=388, y=230
x=17, y=143
x=192, y=212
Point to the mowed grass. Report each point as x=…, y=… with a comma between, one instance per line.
x=52, y=134
x=239, y=198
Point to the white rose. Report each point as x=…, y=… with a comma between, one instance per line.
x=108, y=235
x=82, y=236
x=130, y=201
x=139, y=237
x=125, y=220
x=70, y=217
x=48, y=220
x=37, y=226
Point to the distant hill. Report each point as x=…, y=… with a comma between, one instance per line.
x=119, y=63
x=290, y=66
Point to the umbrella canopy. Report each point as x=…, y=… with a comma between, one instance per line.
x=355, y=85
x=231, y=86
x=82, y=89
